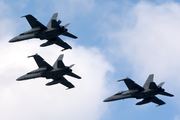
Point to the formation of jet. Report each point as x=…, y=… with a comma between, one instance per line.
x=147, y=92
x=54, y=72
x=49, y=32
x=58, y=70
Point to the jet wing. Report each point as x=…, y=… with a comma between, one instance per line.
x=34, y=23
x=60, y=42
x=66, y=83
x=157, y=101
x=40, y=62
x=153, y=99
x=69, y=35
x=131, y=84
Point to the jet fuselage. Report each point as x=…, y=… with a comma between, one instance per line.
x=134, y=94
x=48, y=74
x=41, y=34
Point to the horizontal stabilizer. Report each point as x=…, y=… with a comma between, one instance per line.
x=66, y=25
x=73, y=75
x=166, y=94
x=69, y=35
x=71, y=66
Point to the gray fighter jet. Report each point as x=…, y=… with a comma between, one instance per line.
x=147, y=92
x=49, y=32
x=54, y=72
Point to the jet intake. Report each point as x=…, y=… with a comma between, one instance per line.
x=47, y=43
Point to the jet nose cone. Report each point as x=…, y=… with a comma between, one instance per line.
x=20, y=78
x=13, y=40
x=107, y=100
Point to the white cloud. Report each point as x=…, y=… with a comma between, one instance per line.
x=148, y=39
x=150, y=42
x=33, y=99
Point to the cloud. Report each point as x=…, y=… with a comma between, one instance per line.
x=146, y=42
x=139, y=38
x=31, y=99
x=151, y=43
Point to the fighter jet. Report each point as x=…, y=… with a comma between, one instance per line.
x=49, y=32
x=55, y=72
x=147, y=92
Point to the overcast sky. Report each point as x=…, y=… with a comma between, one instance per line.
x=116, y=39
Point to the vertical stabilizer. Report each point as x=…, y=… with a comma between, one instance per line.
x=161, y=84
x=59, y=63
x=54, y=17
x=148, y=81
